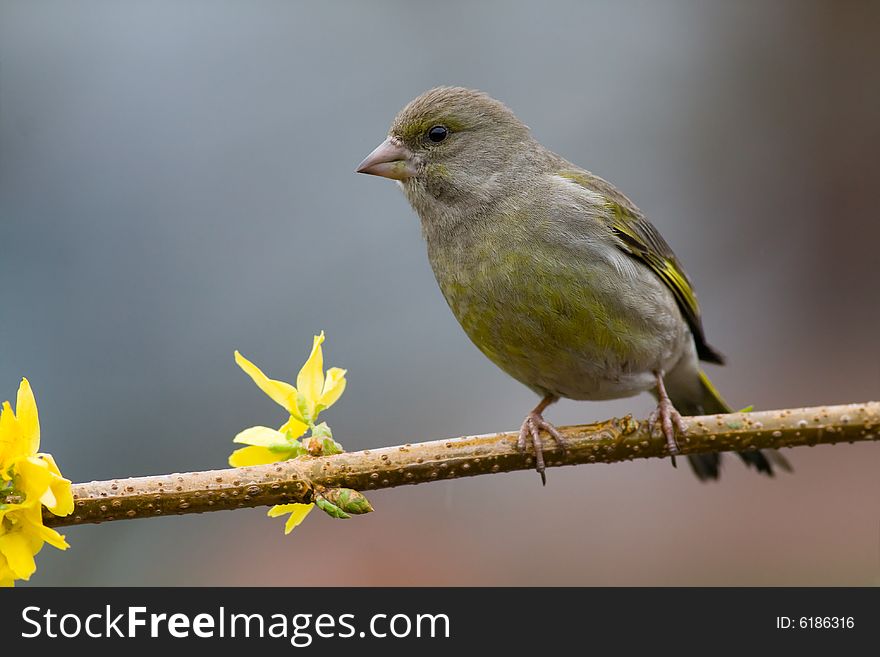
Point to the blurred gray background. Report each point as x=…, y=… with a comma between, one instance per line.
x=177, y=181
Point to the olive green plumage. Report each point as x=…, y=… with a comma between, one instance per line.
x=555, y=275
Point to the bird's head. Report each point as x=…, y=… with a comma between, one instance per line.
x=453, y=150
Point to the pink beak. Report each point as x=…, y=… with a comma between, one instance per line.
x=391, y=159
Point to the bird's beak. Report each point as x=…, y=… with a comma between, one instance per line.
x=391, y=159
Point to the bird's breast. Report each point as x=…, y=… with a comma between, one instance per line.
x=583, y=324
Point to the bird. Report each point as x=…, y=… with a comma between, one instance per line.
x=555, y=275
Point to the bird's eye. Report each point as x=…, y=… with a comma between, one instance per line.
x=438, y=133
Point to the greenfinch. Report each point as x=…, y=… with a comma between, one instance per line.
x=555, y=275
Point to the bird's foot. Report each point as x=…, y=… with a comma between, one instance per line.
x=531, y=431
x=668, y=421
x=667, y=417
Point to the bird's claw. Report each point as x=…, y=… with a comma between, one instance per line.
x=668, y=420
x=531, y=430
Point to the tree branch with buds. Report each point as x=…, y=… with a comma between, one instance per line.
x=308, y=479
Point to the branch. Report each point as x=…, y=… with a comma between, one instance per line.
x=603, y=442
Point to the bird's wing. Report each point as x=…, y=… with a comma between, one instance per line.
x=637, y=237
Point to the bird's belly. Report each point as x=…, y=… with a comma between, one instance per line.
x=585, y=333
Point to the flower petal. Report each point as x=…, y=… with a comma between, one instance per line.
x=298, y=513
x=50, y=461
x=262, y=437
x=254, y=456
x=60, y=489
x=9, y=432
x=28, y=421
x=297, y=517
x=34, y=477
x=63, y=496
x=16, y=547
x=7, y=577
x=310, y=380
x=52, y=537
x=334, y=386
x=36, y=532
x=281, y=509
x=281, y=392
x=294, y=427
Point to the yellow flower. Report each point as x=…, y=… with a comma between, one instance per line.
x=314, y=393
x=28, y=481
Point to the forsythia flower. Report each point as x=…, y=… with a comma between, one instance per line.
x=28, y=481
x=315, y=391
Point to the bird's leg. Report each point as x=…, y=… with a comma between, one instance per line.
x=667, y=417
x=531, y=429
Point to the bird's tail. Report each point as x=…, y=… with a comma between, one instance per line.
x=706, y=466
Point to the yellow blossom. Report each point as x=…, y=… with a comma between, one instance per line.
x=28, y=481
x=315, y=392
